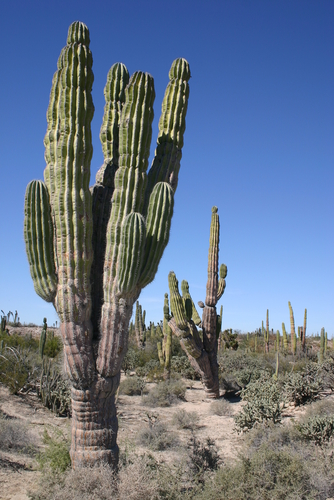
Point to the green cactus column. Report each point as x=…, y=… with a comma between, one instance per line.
x=92, y=250
x=293, y=331
x=202, y=355
x=167, y=340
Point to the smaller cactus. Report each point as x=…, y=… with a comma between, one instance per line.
x=322, y=346
x=139, y=325
x=3, y=324
x=42, y=339
x=277, y=340
x=293, y=331
x=285, y=338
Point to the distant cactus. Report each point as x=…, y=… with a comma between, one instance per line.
x=139, y=325
x=92, y=250
x=202, y=354
x=167, y=340
x=321, y=352
x=278, y=340
x=265, y=333
x=293, y=332
x=285, y=338
x=42, y=339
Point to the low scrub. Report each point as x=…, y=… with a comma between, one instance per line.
x=14, y=436
x=133, y=386
x=221, y=407
x=183, y=419
x=264, y=402
x=157, y=436
x=165, y=393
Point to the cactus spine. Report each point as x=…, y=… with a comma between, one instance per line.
x=202, y=355
x=91, y=251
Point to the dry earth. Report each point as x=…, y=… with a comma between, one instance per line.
x=18, y=472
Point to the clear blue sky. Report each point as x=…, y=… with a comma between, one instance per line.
x=258, y=143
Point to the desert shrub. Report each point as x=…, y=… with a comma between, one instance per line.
x=318, y=429
x=133, y=386
x=19, y=341
x=181, y=365
x=17, y=369
x=185, y=420
x=266, y=474
x=304, y=386
x=14, y=435
x=157, y=436
x=54, y=390
x=165, y=393
x=149, y=369
x=326, y=373
x=221, y=407
x=263, y=402
x=203, y=456
x=131, y=360
x=53, y=346
x=239, y=368
x=56, y=455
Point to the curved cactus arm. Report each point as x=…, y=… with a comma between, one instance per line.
x=166, y=163
x=159, y=217
x=179, y=323
x=221, y=282
x=189, y=304
x=38, y=235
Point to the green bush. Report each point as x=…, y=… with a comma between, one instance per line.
x=53, y=346
x=165, y=393
x=238, y=368
x=56, y=455
x=181, y=365
x=53, y=390
x=318, y=428
x=131, y=360
x=133, y=386
x=304, y=386
x=17, y=369
x=263, y=403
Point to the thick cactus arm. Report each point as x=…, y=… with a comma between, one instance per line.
x=38, y=236
x=133, y=237
x=159, y=217
x=166, y=163
x=212, y=283
x=188, y=302
x=68, y=152
x=221, y=282
x=176, y=303
x=114, y=93
x=130, y=180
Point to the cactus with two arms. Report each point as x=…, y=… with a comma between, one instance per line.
x=91, y=251
x=202, y=354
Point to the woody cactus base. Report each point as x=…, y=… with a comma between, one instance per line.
x=92, y=250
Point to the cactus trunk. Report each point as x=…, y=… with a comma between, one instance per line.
x=92, y=250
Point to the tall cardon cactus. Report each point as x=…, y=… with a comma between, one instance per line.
x=202, y=354
x=91, y=251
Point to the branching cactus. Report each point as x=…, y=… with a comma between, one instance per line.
x=202, y=354
x=91, y=251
